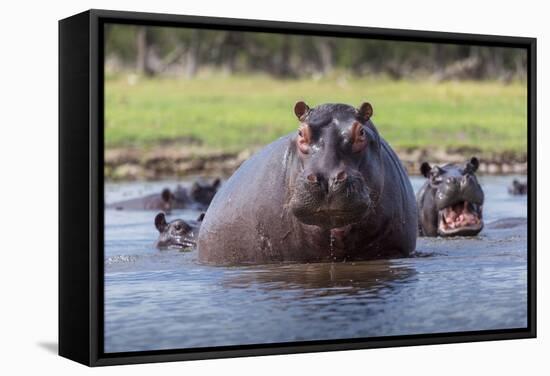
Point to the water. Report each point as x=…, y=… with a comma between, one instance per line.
x=166, y=300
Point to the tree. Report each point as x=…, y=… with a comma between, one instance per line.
x=143, y=48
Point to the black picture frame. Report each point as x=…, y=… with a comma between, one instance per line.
x=81, y=186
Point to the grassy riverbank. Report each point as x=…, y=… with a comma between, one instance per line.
x=230, y=114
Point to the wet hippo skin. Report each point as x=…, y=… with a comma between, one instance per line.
x=333, y=190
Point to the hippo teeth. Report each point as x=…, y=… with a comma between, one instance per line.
x=458, y=216
x=187, y=243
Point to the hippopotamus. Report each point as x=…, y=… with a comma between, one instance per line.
x=518, y=188
x=333, y=190
x=178, y=233
x=201, y=193
x=450, y=203
x=197, y=197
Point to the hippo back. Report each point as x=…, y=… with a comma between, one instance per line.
x=244, y=209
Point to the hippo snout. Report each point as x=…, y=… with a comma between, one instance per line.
x=331, y=183
x=459, y=181
x=336, y=200
x=451, y=181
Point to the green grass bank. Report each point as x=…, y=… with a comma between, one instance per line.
x=229, y=114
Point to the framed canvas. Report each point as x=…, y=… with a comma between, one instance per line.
x=234, y=187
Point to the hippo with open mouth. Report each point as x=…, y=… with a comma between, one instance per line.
x=178, y=234
x=450, y=203
x=333, y=190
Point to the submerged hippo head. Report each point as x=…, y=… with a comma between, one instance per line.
x=332, y=144
x=517, y=188
x=203, y=193
x=451, y=200
x=177, y=234
x=166, y=201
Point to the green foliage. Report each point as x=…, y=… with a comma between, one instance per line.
x=120, y=41
x=284, y=55
x=236, y=112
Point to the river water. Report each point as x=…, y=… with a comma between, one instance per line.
x=158, y=300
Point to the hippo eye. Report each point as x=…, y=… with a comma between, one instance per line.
x=177, y=227
x=303, y=139
x=358, y=138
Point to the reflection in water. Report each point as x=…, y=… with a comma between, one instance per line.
x=165, y=299
x=322, y=279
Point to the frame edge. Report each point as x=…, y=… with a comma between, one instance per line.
x=86, y=349
x=74, y=247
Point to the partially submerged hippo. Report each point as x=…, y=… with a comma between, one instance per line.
x=178, y=233
x=197, y=197
x=517, y=188
x=450, y=203
x=333, y=190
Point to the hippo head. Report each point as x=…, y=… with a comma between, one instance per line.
x=518, y=188
x=203, y=193
x=458, y=197
x=333, y=141
x=166, y=200
x=176, y=234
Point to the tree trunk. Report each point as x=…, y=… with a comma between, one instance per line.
x=326, y=55
x=192, y=55
x=143, y=40
x=283, y=68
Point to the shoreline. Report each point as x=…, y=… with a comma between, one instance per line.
x=163, y=162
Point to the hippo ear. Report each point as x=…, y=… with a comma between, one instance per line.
x=216, y=183
x=195, y=187
x=473, y=165
x=201, y=217
x=166, y=195
x=425, y=169
x=301, y=109
x=365, y=111
x=160, y=222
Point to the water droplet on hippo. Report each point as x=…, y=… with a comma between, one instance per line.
x=331, y=245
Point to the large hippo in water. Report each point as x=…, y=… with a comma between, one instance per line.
x=333, y=190
x=197, y=197
x=450, y=203
x=178, y=234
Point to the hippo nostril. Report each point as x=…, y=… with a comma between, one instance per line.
x=312, y=178
x=338, y=179
x=341, y=176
